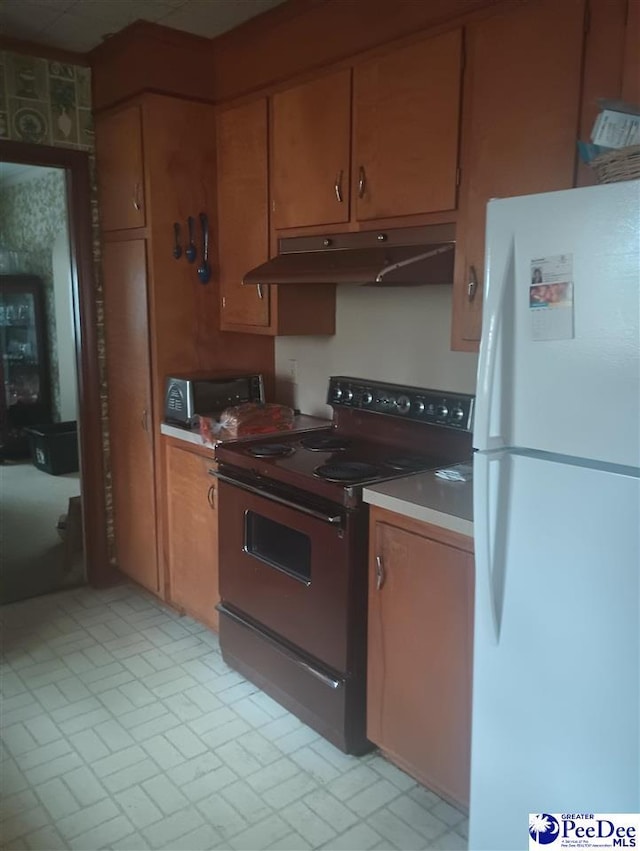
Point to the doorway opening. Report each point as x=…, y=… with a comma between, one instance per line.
x=41, y=488
x=53, y=506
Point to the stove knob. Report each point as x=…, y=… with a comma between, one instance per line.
x=419, y=407
x=367, y=397
x=403, y=404
x=442, y=411
x=457, y=414
x=348, y=395
x=337, y=394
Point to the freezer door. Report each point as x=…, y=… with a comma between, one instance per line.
x=563, y=376
x=556, y=659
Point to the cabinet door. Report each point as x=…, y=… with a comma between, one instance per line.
x=120, y=169
x=243, y=223
x=311, y=133
x=130, y=431
x=419, y=657
x=406, y=114
x=520, y=119
x=192, y=534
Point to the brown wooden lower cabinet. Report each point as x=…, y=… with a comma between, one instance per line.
x=192, y=531
x=131, y=435
x=420, y=634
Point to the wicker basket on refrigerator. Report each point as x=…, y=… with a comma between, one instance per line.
x=623, y=164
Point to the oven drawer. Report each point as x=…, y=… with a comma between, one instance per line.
x=301, y=577
x=332, y=704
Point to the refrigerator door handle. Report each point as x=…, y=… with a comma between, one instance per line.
x=494, y=309
x=486, y=573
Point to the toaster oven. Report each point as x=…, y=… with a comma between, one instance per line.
x=189, y=396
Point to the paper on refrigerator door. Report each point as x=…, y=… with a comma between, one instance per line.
x=551, y=297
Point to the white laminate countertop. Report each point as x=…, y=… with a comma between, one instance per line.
x=302, y=422
x=428, y=498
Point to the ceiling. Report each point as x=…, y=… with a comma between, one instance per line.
x=80, y=25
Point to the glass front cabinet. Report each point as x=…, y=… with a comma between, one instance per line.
x=25, y=399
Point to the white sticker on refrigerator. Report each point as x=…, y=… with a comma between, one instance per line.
x=551, y=297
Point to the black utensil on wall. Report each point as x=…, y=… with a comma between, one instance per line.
x=177, y=247
x=190, y=251
x=204, y=269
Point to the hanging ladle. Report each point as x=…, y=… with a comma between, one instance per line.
x=177, y=248
x=204, y=269
x=190, y=251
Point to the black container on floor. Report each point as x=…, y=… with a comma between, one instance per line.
x=54, y=447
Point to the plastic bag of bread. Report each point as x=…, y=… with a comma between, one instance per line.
x=254, y=418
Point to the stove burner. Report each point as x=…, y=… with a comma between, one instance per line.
x=346, y=471
x=271, y=450
x=409, y=463
x=324, y=443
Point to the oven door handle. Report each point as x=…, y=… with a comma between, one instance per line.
x=326, y=679
x=334, y=520
x=319, y=675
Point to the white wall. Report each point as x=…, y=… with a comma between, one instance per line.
x=61, y=263
x=397, y=334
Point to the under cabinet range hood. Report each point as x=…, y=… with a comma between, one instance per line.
x=399, y=257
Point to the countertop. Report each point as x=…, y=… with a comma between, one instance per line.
x=302, y=422
x=428, y=498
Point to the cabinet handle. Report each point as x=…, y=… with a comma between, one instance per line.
x=211, y=496
x=380, y=575
x=472, y=286
x=362, y=182
x=338, y=187
x=260, y=291
x=136, y=197
x=144, y=420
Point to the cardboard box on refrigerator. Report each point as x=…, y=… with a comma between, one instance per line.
x=617, y=128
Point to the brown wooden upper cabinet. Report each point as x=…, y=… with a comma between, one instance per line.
x=243, y=236
x=519, y=126
x=311, y=132
x=393, y=153
x=406, y=107
x=120, y=172
x=243, y=223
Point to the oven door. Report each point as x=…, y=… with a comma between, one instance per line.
x=289, y=564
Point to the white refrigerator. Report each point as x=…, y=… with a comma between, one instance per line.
x=556, y=709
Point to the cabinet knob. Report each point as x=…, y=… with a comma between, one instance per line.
x=380, y=574
x=136, y=197
x=338, y=187
x=472, y=286
x=362, y=182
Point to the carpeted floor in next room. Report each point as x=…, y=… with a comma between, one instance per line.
x=33, y=558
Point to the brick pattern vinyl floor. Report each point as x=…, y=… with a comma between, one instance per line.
x=122, y=728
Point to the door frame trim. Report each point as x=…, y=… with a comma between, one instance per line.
x=99, y=571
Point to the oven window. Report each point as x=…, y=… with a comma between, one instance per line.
x=279, y=546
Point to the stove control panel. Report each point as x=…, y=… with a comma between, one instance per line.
x=435, y=407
